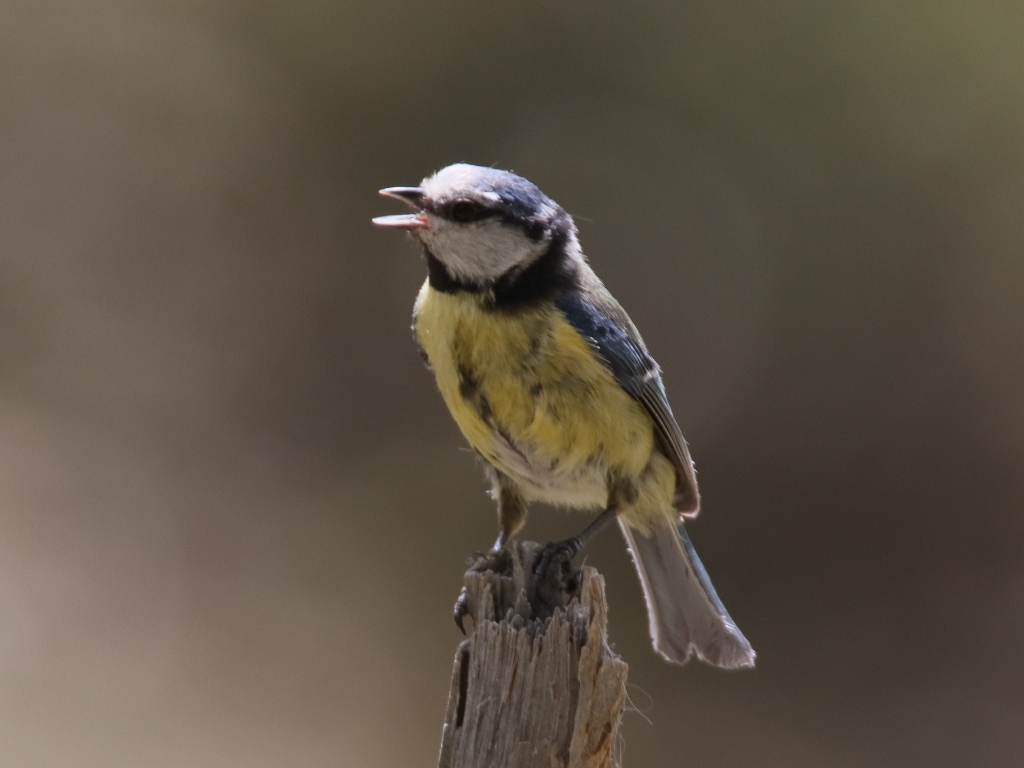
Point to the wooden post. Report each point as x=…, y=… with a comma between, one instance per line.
x=535, y=685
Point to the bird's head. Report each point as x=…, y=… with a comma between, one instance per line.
x=481, y=224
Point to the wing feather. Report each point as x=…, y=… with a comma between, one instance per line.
x=599, y=319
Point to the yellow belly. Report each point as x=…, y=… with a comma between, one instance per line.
x=531, y=397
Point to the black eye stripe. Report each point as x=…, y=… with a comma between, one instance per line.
x=465, y=211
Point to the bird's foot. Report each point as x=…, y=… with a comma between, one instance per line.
x=552, y=563
x=499, y=560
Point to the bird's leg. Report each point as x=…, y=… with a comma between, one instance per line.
x=558, y=552
x=511, y=518
x=511, y=510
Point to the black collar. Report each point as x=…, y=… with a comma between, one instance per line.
x=548, y=276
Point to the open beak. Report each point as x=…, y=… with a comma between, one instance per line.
x=412, y=196
x=408, y=221
x=409, y=195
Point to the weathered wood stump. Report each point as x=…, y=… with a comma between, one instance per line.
x=535, y=684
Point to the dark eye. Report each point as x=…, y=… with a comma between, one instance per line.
x=465, y=210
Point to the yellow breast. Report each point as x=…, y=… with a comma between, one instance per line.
x=527, y=379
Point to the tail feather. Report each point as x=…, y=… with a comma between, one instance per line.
x=684, y=611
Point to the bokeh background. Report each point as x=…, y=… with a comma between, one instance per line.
x=234, y=513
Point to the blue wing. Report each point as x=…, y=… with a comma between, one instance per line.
x=599, y=319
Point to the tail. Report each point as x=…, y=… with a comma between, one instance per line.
x=684, y=611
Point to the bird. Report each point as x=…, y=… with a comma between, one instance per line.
x=551, y=384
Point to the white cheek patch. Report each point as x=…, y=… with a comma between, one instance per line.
x=481, y=252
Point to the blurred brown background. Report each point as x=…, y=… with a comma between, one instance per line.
x=233, y=510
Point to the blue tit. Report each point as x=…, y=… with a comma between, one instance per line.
x=550, y=382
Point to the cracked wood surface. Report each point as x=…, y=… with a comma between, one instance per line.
x=535, y=684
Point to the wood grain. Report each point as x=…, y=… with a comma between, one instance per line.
x=535, y=684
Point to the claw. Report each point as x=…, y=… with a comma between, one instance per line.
x=461, y=610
